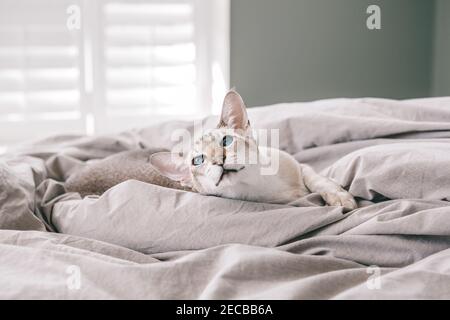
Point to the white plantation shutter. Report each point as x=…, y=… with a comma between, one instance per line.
x=131, y=63
x=149, y=57
x=40, y=61
x=156, y=59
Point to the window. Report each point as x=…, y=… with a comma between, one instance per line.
x=129, y=63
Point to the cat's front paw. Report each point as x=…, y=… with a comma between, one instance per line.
x=340, y=198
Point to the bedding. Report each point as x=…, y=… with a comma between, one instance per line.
x=142, y=241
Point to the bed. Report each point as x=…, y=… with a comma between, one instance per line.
x=142, y=241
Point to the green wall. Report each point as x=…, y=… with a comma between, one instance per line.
x=441, y=74
x=299, y=50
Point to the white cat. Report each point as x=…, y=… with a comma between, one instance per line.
x=227, y=162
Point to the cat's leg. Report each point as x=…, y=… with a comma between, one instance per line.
x=330, y=191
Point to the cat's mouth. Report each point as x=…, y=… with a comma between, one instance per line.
x=228, y=172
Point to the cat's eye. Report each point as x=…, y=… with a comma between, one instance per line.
x=227, y=140
x=198, y=160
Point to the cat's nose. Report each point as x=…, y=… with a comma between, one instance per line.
x=218, y=160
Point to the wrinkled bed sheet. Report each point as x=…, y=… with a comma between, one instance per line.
x=141, y=241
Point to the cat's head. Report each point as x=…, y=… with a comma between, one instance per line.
x=218, y=157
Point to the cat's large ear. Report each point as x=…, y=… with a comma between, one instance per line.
x=172, y=166
x=234, y=115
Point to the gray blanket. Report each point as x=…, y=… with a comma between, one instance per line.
x=143, y=241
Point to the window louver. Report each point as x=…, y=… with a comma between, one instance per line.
x=131, y=58
x=39, y=62
x=149, y=57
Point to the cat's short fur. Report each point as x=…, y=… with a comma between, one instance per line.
x=99, y=176
x=224, y=170
x=220, y=163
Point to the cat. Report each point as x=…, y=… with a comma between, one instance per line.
x=219, y=164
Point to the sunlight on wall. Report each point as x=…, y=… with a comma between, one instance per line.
x=219, y=88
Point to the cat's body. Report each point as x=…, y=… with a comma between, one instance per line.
x=253, y=186
x=97, y=177
x=225, y=161
x=292, y=181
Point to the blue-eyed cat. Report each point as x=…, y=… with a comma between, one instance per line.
x=227, y=162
